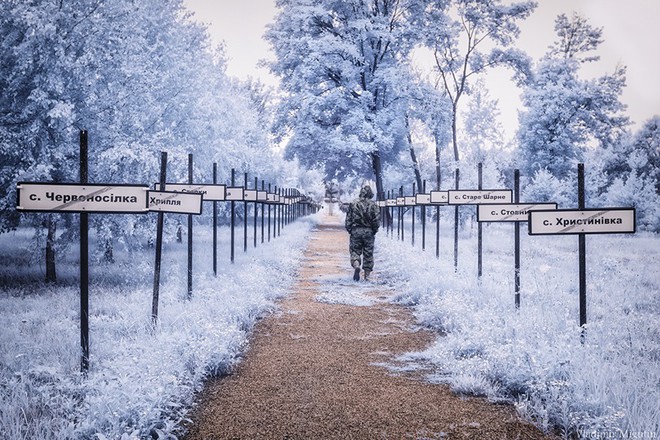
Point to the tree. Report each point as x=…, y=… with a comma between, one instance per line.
x=477, y=24
x=482, y=129
x=631, y=170
x=141, y=78
x=565, y=114
x=342, y=69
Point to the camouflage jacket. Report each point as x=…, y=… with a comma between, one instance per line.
x=363, y=213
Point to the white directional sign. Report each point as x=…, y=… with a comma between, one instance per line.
x=176, y=202
x=234, y=193
x=423, y=199
x=400, y=201
x=409, y=200
x=509, y=212
x=273, y=198
x=250, y=195
x=262, y=196
x=439, y=197
x=211, y=192
x=71, y=197
x=586, y=221
x=478, y=197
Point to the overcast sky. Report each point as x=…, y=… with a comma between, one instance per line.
x=630, y=31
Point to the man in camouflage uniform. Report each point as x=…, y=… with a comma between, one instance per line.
x=362, y=222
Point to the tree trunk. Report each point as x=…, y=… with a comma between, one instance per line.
x=438, y=170
x=51, y=225
x=413, y=156
x=378, y=172
x=108, y=255
x=454, y=140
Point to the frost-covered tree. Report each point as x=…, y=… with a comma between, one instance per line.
x=342, y=70
x=141, y=78
x=631, y=174
x=564, y=113
x=467, y=38
x=482, y=130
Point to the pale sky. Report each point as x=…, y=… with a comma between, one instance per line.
x=630, y=31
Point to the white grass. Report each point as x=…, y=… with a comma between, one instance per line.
x=141, y=382
x=607, y=386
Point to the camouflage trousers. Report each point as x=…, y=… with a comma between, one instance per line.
x=362, y=244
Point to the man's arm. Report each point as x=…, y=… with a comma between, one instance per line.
x=375, y=224
x=349, y=218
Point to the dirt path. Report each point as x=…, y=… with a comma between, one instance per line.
x=315, y=369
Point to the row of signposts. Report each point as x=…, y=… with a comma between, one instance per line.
x=179, y=198
x=503, y=205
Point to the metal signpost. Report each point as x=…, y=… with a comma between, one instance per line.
x=175, y=202
x=510, y=212
x=584, y=221
x=474, y=197
x=581, y=222
x=84, y=198
x=516, y=213
x=439, y=197
x=211, y=192
x=477, y=197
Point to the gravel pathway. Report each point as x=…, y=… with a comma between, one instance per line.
x=323, y=368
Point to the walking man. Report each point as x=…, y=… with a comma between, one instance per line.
x=362, y=222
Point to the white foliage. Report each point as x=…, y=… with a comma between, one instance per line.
x=534, y=357
x=141, y=382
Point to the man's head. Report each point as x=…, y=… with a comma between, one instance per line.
x=366, y=192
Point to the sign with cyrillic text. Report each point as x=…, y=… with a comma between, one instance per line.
x=71, y=197
x=423, y=199
x=234, y=193
x=585, y=221
x=439, y=197
x=391, y=202
x=409, y=200
x=400, y=201
x=176, y=202
x=510, y=212
x=478, y=197
x=211, y=192
x=250, y=195
x=273, y=198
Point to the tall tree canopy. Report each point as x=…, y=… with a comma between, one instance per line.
x=343, y=73
x=142, y=78
x=467, y=38
x=564, y=113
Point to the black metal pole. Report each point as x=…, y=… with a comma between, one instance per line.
x=516, y=199
x=84, y=260
x=456, y=220
x=479, y=226
x=232, y=221
x=269, y=205
x=215, y=224
x=190, y=231
x=423, y=213
x=159, y=243
x=402, y=214
x=245, y=213
x=582, y=245
x=280, y=212
x=256, y=210
x=412, y=208
x=437, y=220
x=263, y=211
